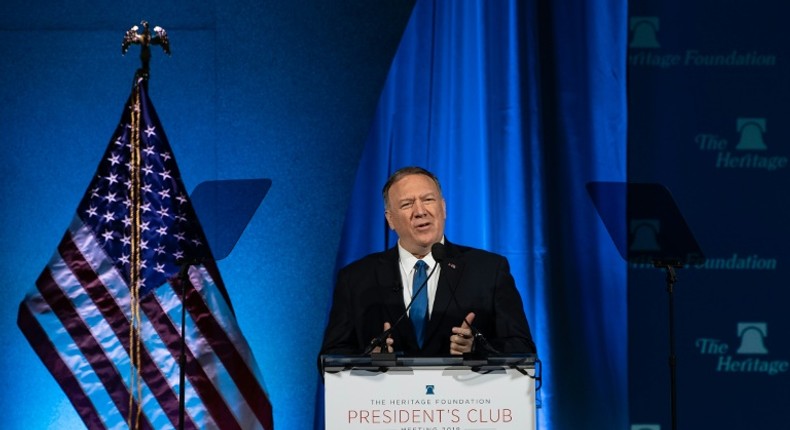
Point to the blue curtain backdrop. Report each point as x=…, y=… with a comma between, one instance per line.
x=516, y=105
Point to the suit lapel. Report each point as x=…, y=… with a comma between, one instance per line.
x=449, y=278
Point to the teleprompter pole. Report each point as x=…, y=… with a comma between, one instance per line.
x=671, y=278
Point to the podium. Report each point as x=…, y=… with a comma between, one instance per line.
x=364, y=392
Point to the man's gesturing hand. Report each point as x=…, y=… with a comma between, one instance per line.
x=462, y=340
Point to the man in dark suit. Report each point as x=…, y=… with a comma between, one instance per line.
x=467, y=292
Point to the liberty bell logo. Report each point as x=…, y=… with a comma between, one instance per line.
x=752, y=335
x=645, y=427
x=643, y=32
x=644, y=235
x=751, y=131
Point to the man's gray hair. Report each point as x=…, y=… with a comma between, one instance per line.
x=403, y=172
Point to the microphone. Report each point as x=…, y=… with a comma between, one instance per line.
x=380, y=340
x=185, y=264
x=479, y=338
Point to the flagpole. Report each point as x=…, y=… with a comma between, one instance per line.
x=134, y=265
x=145, y=40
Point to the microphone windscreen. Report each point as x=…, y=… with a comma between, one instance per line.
x=438, y=251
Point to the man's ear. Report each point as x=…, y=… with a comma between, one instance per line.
x=389, y=221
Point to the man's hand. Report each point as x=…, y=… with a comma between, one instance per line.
x=462, y=339
x=390, y=342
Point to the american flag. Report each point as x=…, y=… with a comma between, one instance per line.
x=82, y=318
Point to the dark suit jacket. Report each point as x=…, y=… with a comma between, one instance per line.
x=369, y=292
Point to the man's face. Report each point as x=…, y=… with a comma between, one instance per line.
x=416, y=211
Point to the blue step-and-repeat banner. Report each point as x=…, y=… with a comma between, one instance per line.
x=709, y=117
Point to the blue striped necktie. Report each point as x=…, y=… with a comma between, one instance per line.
x=419, y=306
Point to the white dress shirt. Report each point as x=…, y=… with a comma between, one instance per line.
x=407, y=262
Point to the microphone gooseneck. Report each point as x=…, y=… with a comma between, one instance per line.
x=438, y=253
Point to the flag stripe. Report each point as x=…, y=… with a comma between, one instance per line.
x=214, y=298
x=85, y=240
x=68, y=351
x=213, y=401
x=116, y=318
x=205, y=354
x=90, y=348
x=235, y=364
x=46, y=351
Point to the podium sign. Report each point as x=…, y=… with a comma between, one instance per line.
x=433, y=394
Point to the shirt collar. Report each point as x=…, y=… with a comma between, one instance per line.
x=408, y=260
